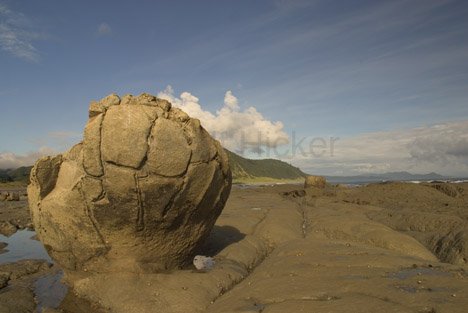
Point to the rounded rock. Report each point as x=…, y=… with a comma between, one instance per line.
x=315, y=181
x=139, y=194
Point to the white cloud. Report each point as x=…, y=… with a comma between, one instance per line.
x=17, y=35
x=63, y=139
x=104, y=29
x=236, y=129
x=441, y=148
x=55, y=142
x=13, y=160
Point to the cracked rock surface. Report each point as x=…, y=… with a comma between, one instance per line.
x=140, y=193
x=281, y=254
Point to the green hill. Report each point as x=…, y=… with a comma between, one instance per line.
x=248, y=170
x=21, y=175
x=243, y=171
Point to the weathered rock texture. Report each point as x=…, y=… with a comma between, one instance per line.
x=315, y=181
x=140, y=193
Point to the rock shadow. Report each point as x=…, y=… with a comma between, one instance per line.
x=221, y=237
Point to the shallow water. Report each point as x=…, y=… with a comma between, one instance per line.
x=22, y=247
x=411, y=272
x=50, y=291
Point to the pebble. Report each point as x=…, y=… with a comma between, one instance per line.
x=203, y=263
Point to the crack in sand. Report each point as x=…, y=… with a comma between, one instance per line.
x=303, y=210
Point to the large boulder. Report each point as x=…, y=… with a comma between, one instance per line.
x=315, y=182
x=315, y=186
x=140, y=193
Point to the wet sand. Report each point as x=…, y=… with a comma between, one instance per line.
x=377, y=248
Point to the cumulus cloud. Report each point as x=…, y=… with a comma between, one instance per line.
x=238, y=130
x=441, y=148
x=104, y=29
x=17, y=35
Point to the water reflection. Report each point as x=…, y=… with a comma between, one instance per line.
x=22, y=247
x=50, y=291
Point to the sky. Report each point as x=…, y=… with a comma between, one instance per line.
x=334, y=87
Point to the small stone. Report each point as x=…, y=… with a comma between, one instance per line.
x=13, y=196
x=7, y=228
x=203, y=263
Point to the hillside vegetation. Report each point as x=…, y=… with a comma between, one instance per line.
x=265, y=170
x=19, y=175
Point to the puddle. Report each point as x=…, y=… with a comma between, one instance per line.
x=49, y=291
x=355, y=277
x=244, y=186
x=409, y=289
x=411, y=272
x=22, y=247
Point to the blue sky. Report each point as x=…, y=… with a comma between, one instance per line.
x=348, y=69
